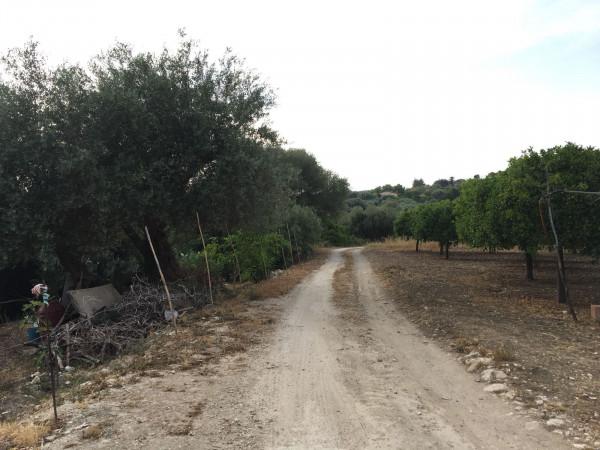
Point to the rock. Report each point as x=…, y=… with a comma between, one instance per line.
x=465, y=359
x=555, y=423
x=533, y=425
x=111, y=382
x=69, y=369
x=496, y=388
x=509, y=395
x=30, y=351
x=478, y=363
x=491, y=375
x=36, y=380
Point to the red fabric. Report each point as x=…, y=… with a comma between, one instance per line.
x=52, y=313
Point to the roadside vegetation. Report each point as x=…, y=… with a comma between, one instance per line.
x=93, y=158
x=90, y=156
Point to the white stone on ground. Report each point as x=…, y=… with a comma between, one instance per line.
x=496, y=388
x=555, y=423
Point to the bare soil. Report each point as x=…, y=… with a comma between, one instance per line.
x=235, y=323
x=332, y=364
x=481, y=301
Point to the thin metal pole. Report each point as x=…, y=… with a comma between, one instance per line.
x=561, y=268
x=205, y=258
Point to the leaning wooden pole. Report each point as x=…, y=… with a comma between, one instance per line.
x=164, y=282
x=205, y=258
x=235, y=258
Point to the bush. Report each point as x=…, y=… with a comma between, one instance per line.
x=373, y=223
x=305, y=229
x=335, y=234
x=257, y=255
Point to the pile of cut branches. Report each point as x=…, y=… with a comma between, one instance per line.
x=113, y=330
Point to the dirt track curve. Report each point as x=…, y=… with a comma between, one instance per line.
x=348, y=373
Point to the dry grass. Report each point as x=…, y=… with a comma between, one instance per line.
x=16, y=364
x=180, y=429
x=503, y=354
x=465, y=345
x=404, y=245
x=93, y=432
x=18, y=435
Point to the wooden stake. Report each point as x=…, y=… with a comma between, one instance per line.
x=205, y=259
x=51, y=371
x=283, y=256
x=164, y=282
x=262, y=256
x=68, y=337
x=290, y=241
x=297, y=248
x=237, y=262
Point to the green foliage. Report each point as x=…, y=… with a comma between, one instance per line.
x=91, y=157
x=315, y=187
x=434, y=222
x=305, y=228
x=404, y=223
x=257, y=254
x=29, y=314
x=478, y=212
x=373, y=223
x=336, y=234
x=502, y=210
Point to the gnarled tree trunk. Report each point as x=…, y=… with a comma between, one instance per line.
x=162, y=246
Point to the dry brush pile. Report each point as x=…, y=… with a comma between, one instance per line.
x=115, y=329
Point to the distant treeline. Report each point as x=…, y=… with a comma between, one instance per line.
x=370, y=214
x=503, y=210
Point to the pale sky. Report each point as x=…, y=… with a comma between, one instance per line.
x=381, y=92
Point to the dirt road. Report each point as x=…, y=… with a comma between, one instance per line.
x=337, y=372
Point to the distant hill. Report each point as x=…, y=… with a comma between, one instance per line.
x=398, y=197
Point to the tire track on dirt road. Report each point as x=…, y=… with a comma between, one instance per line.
x=375, y=382
x=340, y=369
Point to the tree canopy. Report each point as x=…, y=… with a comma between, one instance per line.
x=89, y=157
